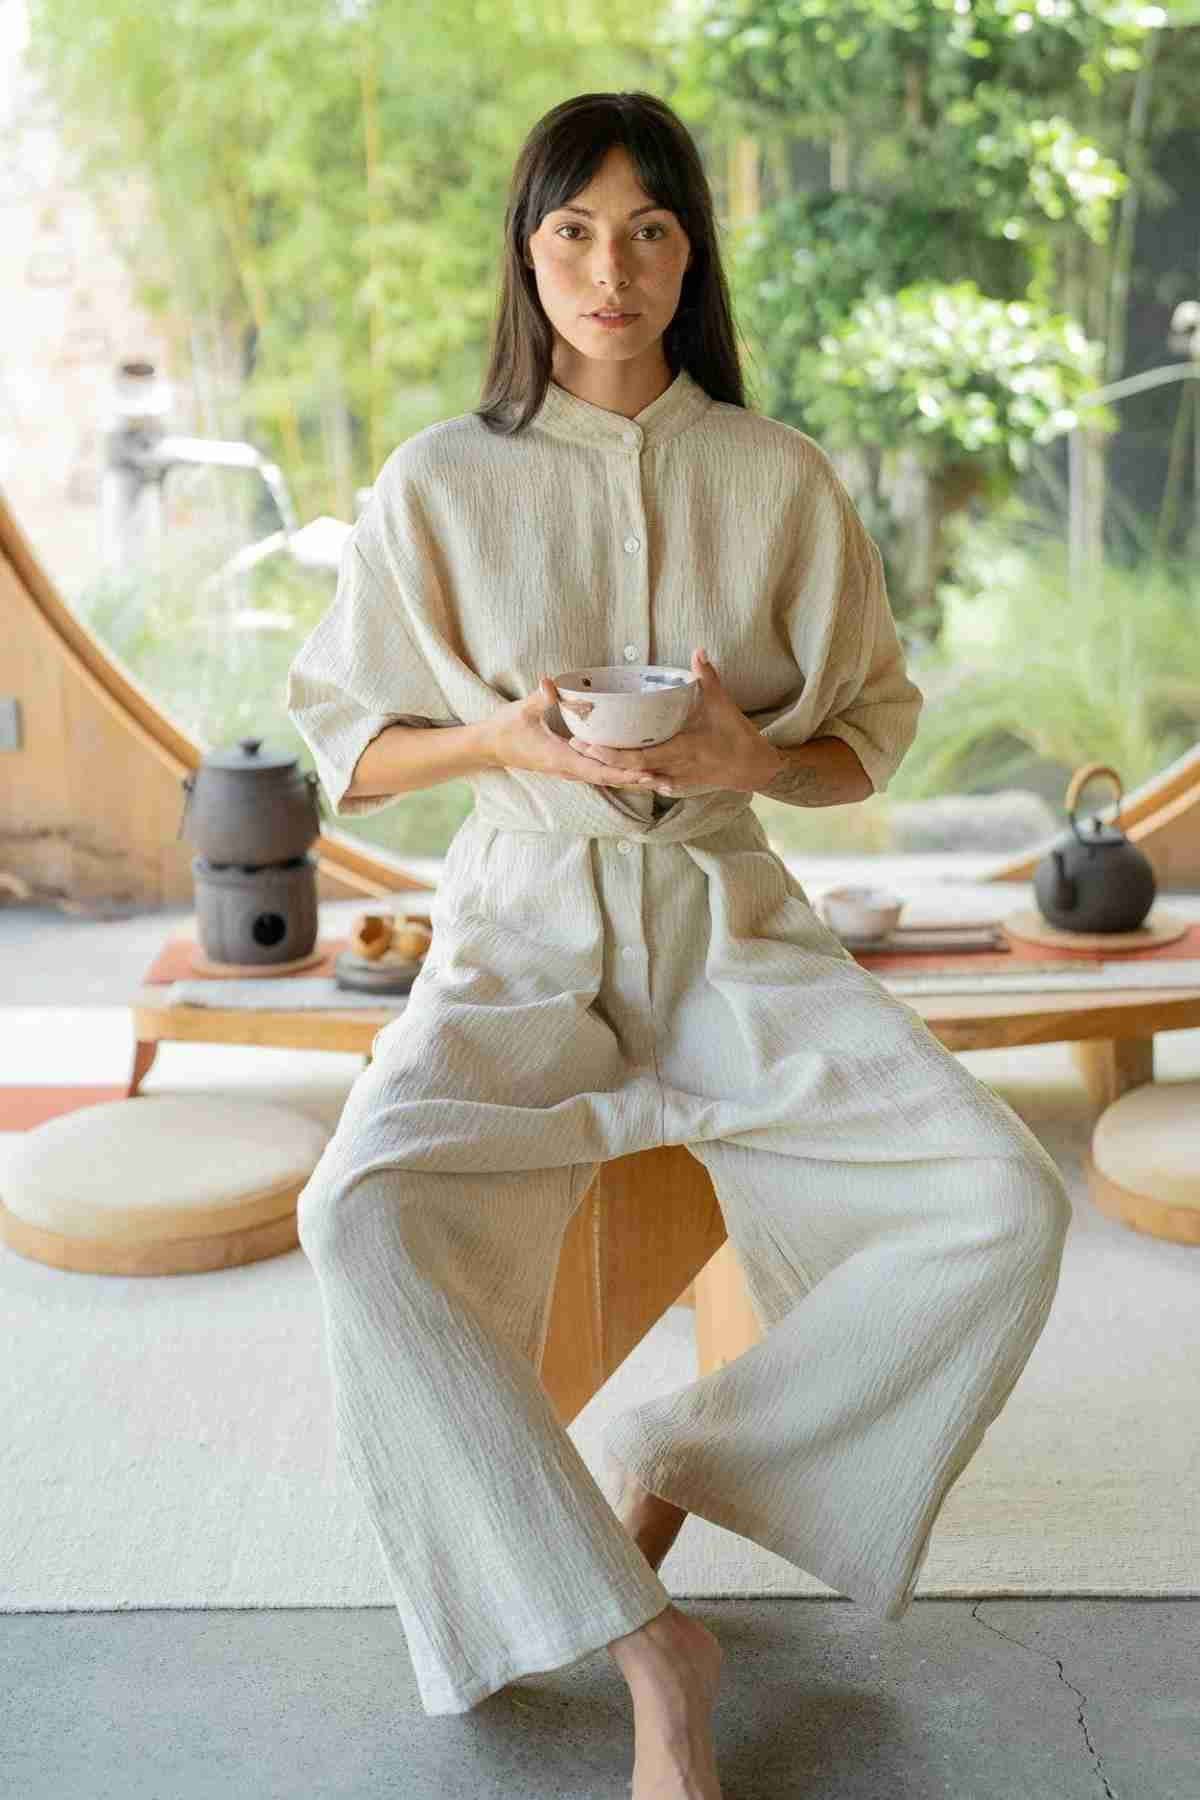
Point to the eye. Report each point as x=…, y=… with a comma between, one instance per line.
x=562, y=228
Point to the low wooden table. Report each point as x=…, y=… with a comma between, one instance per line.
x=1112, y=1030
x=622, y=1264
x=349, y=1029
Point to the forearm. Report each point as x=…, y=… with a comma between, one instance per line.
x=822, y=772
x=405, y=758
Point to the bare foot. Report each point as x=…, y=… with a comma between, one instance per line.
x=672, y=1665
x=652, y=1522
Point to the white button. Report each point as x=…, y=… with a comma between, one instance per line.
x=632, y=544
x=631, y=437
x=631, y=653
x=629, y=952
x=624, y=847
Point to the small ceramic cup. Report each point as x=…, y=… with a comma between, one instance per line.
x=861, y=911
x=627, y=707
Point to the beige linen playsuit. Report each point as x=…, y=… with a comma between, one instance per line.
x=610, y=971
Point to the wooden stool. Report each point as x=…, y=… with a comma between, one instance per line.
x=161, y=1184
x=1144, y=1165
x=648, y=1226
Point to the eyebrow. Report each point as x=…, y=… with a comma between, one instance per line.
x=588, y=214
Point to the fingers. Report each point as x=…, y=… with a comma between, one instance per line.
x=604, y=773
x=612, y=761
x=609, y=754
x=617, y=778
x=599, y=771
x=607, y=770
x=624, y=777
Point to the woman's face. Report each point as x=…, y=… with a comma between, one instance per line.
x=610, y=259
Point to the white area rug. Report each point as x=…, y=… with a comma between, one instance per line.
x=168, y=1442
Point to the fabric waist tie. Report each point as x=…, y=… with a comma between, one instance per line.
x=579, y=808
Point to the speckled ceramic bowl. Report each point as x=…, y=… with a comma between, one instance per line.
x=627, y=707
x=861, y=911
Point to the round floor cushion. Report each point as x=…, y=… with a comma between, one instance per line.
x=159, y=1184
x=1144, y=1167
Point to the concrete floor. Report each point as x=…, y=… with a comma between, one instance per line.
x=982, y=1700
x=1058, y=1699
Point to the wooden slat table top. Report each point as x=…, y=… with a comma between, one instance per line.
x=961, y=1021
x=344, y=1028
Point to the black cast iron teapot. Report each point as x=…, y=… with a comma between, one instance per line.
x=1097, y=882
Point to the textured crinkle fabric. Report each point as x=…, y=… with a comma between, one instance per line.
x=607, y=977
x=899, y=1228
x=481, y=563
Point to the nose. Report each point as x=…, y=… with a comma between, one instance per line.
x=608, y=268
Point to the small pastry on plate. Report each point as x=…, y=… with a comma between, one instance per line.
x=371, y=935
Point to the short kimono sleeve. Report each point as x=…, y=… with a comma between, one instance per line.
x=360, y=670
x=862, y=693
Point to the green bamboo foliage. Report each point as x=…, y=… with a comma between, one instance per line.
x=320, y=186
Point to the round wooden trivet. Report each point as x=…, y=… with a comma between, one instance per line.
x=1159, y=927
x=203, y=965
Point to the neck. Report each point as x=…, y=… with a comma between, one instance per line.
x=626, y=388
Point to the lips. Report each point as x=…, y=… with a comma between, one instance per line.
x=602, y=314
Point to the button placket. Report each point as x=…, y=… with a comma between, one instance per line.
x=631, y=953
x=632, y=543
x=633, y=956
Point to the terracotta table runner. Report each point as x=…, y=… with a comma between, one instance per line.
x=173, y=962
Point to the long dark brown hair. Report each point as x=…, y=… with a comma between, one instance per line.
x=558, y=158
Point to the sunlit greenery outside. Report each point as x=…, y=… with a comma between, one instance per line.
x=1024, y=684
x=310, y=200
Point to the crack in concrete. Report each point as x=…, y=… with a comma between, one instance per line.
x=1110, y=1792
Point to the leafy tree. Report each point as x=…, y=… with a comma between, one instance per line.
x=952, y=300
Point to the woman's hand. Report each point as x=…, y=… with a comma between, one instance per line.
x=719, y=747
x=519, y=738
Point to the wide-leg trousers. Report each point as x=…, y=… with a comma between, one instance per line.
x=900, y=1234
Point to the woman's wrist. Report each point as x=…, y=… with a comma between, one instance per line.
x=485, y=744
x=766, y=764
x=823, y=771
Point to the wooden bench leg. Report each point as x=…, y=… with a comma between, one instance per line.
x=144, y=1054
x=1111, y=1066
x=726, y=1323
x=648, y=1223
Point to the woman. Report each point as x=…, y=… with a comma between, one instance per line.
x=615, y=967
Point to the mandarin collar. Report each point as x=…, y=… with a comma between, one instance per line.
x=565, y=415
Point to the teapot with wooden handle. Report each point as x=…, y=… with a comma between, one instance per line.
x=1094, y=880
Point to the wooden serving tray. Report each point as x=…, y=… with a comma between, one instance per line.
x=929, y=940
x=203, y=965
x=1160, y=926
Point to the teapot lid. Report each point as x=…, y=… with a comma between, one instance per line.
x=249, y=755
x=1095, y=832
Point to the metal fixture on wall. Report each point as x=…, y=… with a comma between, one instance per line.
x=139, y=453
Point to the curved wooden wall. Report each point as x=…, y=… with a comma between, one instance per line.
x=1162, y=818
x=90, y=803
